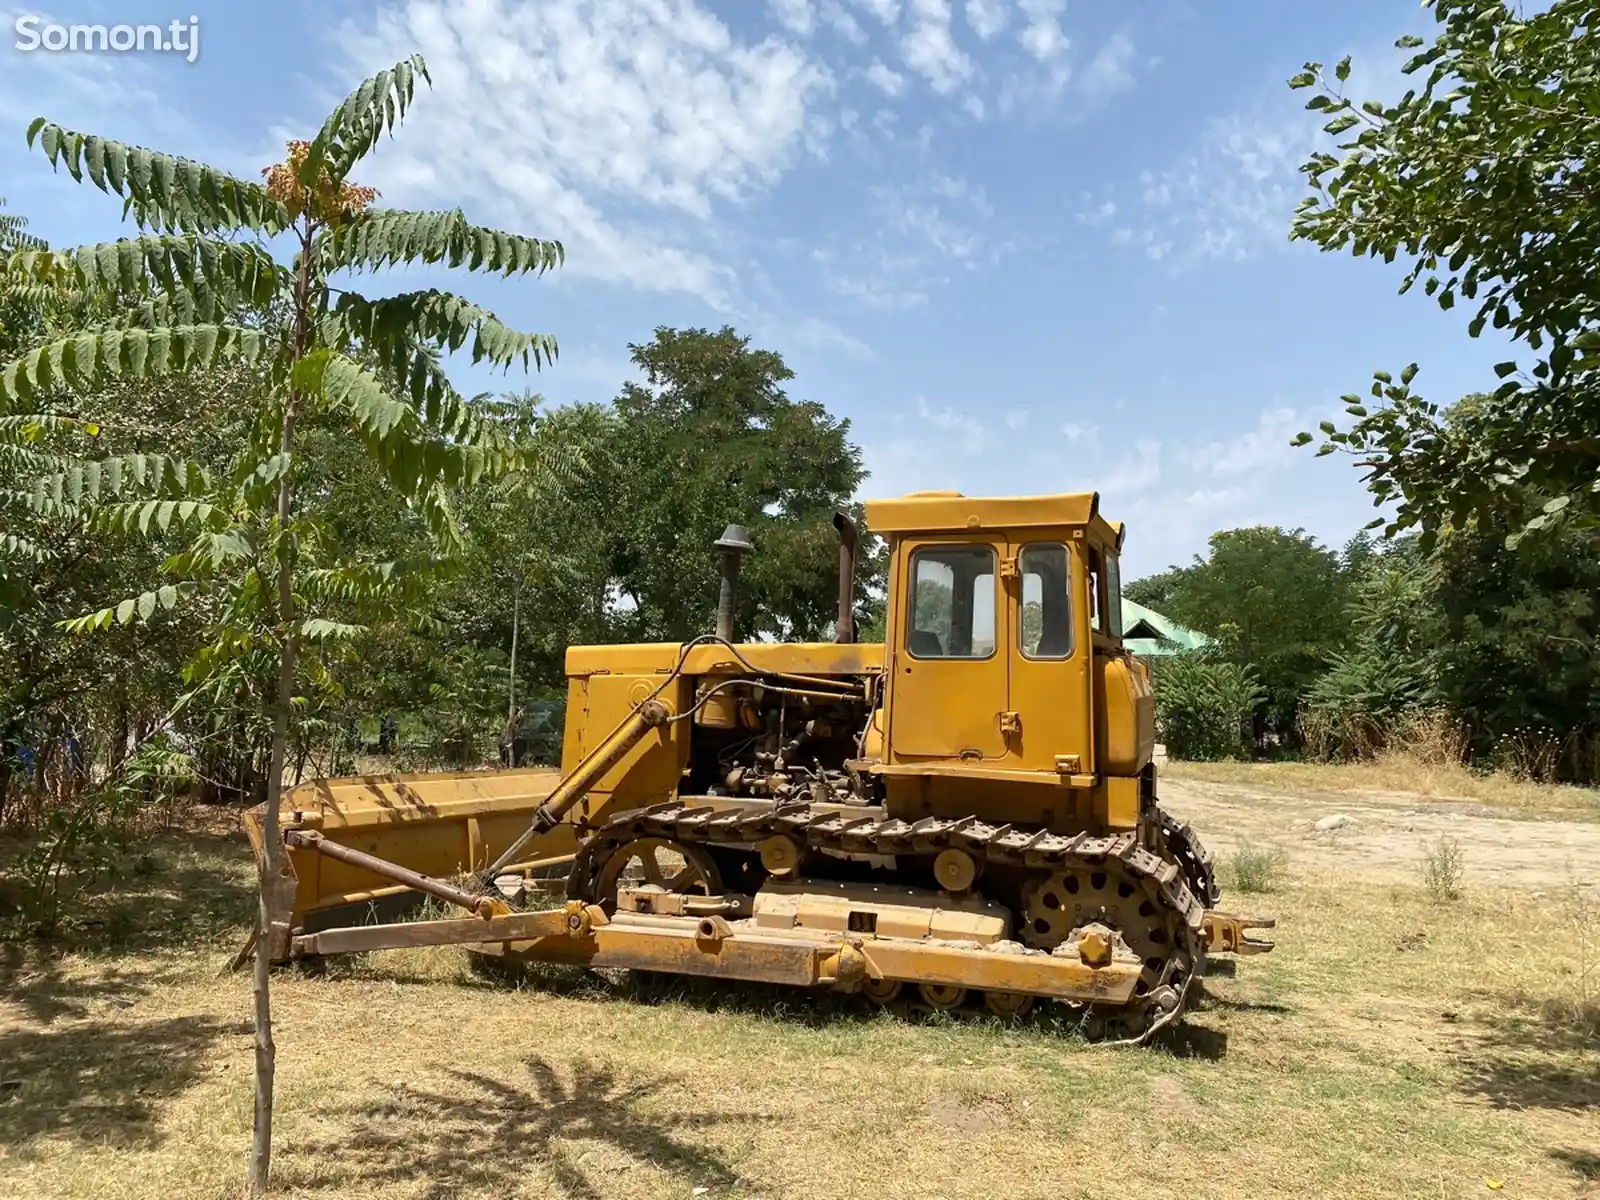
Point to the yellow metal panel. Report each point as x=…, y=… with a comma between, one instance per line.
x=937, y=511
x=1036, y=974
x=1125, y=719
x=1022, y=798
x=945, y=707
x=801, y=658
x=650, y=771
x=1120, y=800
x=1050, y=696
x=897, y=911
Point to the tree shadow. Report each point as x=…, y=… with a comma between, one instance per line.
x=1585, y=1164
x=482, y=1134
x=1534, y=1053
x=35, y=983
x=96, y=1082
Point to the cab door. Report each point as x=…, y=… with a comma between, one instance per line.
x=949, y=697
x=1049, y=672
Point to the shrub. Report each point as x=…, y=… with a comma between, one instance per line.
x=1204, y=707
x=1254, y=868
x=1442, y=870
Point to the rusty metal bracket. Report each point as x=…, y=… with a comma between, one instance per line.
x=485, y=907
x=1226, y=933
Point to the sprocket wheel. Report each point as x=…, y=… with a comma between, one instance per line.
x=660, y=862
x=1105, y=892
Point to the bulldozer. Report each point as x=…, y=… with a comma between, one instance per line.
x=963, y=817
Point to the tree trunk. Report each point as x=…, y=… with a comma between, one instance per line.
x=516, y=615
x=271, y=839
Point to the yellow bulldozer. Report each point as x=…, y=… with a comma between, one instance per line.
x=962, y=817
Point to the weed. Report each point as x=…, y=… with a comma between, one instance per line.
x=1442, y=870
x=1255, y=868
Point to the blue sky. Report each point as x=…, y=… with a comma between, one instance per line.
x=1024, y=245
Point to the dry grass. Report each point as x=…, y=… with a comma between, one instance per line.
x=1403, y=773
x=1389, y=1047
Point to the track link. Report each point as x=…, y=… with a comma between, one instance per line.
x=1184, y=845
x=1039, y=853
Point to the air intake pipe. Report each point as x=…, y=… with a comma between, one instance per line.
x=734, y=544
x=845, y=622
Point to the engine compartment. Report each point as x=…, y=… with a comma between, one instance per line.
x=776, y=742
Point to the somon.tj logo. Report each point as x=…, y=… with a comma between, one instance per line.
x=175, y=37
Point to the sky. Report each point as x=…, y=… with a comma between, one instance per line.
x=1024, y=246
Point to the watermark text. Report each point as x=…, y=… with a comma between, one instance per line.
x=175, y=37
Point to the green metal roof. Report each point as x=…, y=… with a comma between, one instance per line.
x=1147, y=633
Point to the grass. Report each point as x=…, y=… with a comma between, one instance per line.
x=1403, y=773
x=1390, y=1046
x=1254, y=868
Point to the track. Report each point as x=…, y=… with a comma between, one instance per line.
x=1058, y=878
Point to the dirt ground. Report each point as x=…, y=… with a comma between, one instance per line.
x=1388, y=833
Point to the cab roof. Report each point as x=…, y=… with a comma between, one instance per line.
x=952, y=512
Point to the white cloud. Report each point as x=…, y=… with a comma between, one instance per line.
x=1041, y=34
x=887, y=11
x=813, y=333
x=1016, y=419
x=1237, y=191
x=987, y=17
x=1129, y=474
x=1108, y=72
x=842, y=23
x=1099, y=214
x=918, y=234
x=1076, y=433
x=966, y=434
x=929, y=49
x=797, y=16
x=885, y=78
x=1234, y=193
x=1263, y=448
x=618, y=127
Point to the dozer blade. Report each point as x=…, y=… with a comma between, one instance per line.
x=1226, y=933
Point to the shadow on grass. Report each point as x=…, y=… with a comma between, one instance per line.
x=35, y=982
x=475, y=1133
x=789, y=1006
x=1585, y=1164
x=1532, y=1053
x=178, y=890
x=96, y=1082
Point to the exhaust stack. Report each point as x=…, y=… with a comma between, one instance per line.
x=845, y=622
x=734, y=544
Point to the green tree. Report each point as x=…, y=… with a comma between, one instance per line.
x=1518, y=642
x=1272, y=599
x=711, y=438
x=1204, y=706
x=186, y=291
x=1484, y=179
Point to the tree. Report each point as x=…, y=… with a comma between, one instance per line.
x=1272, y=599
x=1485, y=179
x=189, y=297
x=711, y=439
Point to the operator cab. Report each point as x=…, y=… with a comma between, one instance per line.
x=1004, y=654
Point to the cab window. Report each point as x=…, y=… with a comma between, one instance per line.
x=1105, y=592
x=1097, y=575
x=1114, y=596
x=952, y=602
x=1045, y=629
